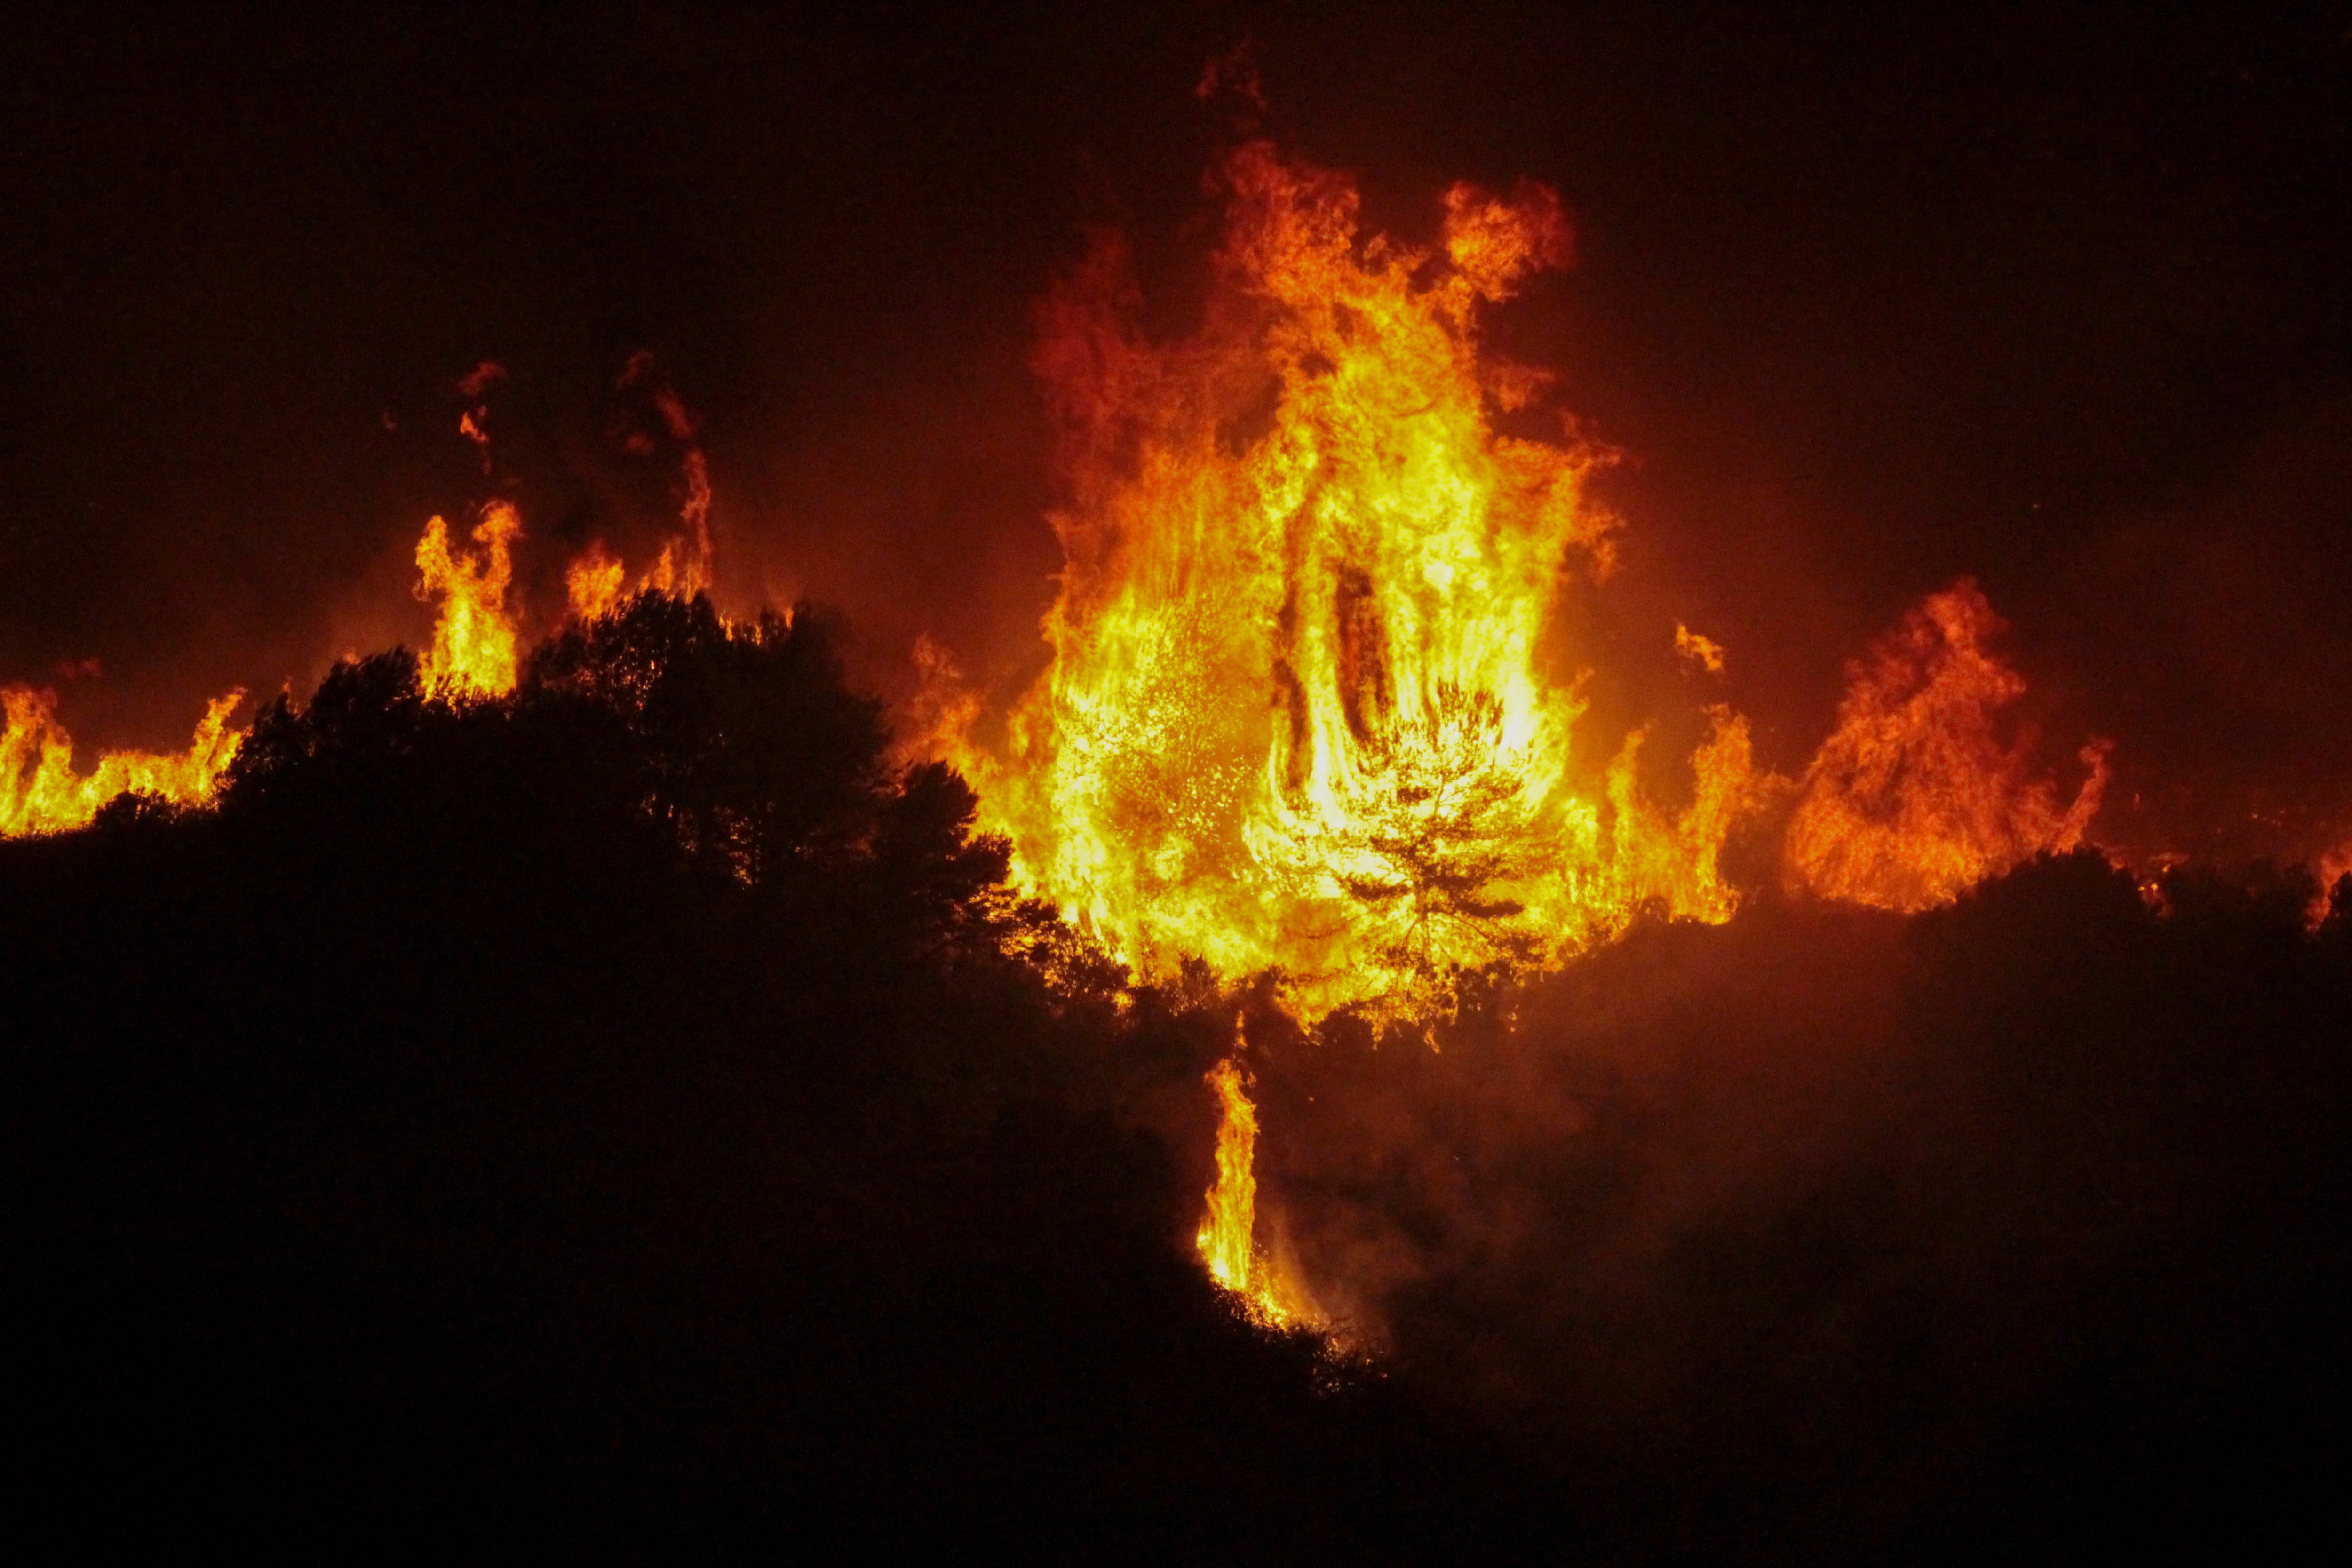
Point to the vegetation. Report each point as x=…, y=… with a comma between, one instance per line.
x=634, y=1112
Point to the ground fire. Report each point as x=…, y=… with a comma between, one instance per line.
x=41, y=792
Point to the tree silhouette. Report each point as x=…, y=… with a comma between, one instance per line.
x=633, y=1113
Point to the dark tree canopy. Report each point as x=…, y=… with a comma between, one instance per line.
x=636, y=1112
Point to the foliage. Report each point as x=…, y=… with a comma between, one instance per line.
x=633, y=1112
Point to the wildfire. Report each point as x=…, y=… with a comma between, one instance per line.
x=593, y=583
x=477, y=636
x=41, y=792
x=1295, y=717
x=596, y=582
x=1228, y=1228
x=1915, y=797
x=1228, y=1235
x=473, y=651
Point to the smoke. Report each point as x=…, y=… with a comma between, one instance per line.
x=2209, y=638
x=1834, y=1207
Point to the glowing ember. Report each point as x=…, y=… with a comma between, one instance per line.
x=41, y=792
x=1916, y=797
x=1295, y=717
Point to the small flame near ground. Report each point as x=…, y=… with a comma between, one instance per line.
x=1268, y=1292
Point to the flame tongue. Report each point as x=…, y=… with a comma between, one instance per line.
x=1295, y=717
x=474, y=641
x=1227, y=1231
x=1267, y=1284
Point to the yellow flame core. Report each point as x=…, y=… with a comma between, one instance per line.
x=1915, y=797
x=41, y=792
x=473, y=651
x=1295, y=717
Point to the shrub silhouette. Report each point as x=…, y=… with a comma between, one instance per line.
x=607, y=1110
x=610, y=1113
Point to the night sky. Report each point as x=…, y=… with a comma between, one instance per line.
x=2065, y=304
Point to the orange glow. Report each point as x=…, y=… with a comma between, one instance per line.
x=685, y=566
x=2329, y=868
x=1915, y=797
x=41, y=792
x=473, y=651
x=1295, y=717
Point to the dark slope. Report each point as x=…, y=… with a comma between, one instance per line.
x=607, y=1116
x=603, y=1114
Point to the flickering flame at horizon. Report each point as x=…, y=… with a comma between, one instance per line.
x=474, y=652
x=1916, y=797
x=41, y=792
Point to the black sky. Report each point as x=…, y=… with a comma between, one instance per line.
x=2059, y=301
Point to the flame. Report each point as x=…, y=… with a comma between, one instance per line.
x=40, y=792
x=474, y=424
x=474, y=654
x=691, y=573
x=1295, y=717
x=1696, y=651
x=596, y=582
x=1915, y=797
x=1228, y=1231
x=473, y=651
x=1227, y=1238
x=684, y=567
x=593, y=582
